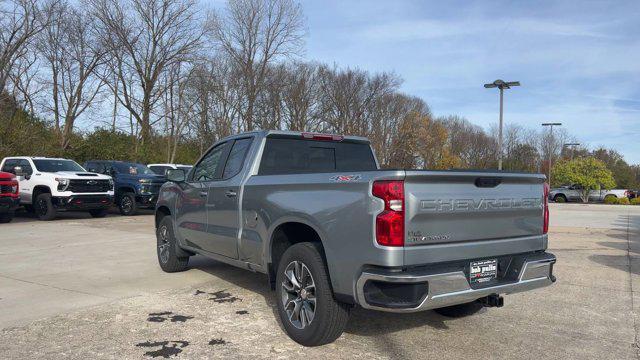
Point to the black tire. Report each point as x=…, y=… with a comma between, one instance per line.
x=6, y=218
x=127, y=204
x=44, y=207
x=461, y=310
x=166, y=248
x=98, y=213
x=329, y=317
x=560, y=198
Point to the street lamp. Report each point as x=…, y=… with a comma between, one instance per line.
x=573, y=147
x=551, y=125
x=500, y=84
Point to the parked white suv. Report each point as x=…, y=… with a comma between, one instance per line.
x=49, y=185
x=161, y=169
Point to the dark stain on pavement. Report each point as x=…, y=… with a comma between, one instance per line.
x=167, y=348
x=167, y=315
x=222, y=296
x=242, y=312
x=217, y=342
x=180, y=318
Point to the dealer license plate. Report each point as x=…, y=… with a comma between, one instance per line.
x=483, y=271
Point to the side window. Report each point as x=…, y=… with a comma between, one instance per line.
x=92, y=167
x=236, y=157
x=8, y=166
x=26, y=166
x=206, y=169
x=160, y=170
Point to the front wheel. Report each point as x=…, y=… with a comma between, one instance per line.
x=166, y=248
x=310, y=314
x=6, y=218
x=127, y=204
x=44, y=207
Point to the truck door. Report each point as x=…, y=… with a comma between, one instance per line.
x=223, y=217
x=191, y=214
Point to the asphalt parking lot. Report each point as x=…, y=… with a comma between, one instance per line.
x=80, y=288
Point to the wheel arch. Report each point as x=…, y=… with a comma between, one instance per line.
x=161, y=212
x=37, y=190
x=285, y=234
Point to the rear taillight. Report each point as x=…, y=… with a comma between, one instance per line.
x=390, y=222
x=545, y=208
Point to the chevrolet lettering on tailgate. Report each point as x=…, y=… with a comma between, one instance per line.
x=465, y=205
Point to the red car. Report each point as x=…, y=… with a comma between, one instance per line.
x=9, y=196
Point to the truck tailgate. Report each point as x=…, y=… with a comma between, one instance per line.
x=446, y=209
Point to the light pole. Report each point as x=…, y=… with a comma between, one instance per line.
x=500, y=84
x=551, y=125
x=573, y=147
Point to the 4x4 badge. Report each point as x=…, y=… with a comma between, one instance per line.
x=345, y=178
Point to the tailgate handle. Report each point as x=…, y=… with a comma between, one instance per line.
x=488, y=182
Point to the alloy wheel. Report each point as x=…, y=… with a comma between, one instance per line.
x=42, y=207
x=163, y=246
x=299, y=294
x=126, y=204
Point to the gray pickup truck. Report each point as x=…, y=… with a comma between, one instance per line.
x=331, y=230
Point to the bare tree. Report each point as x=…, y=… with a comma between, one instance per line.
x=178, y=107
x=349, y=97
x=255, y=34
x=146, y=38
x=20, y=21
x=73, y=56
x=300, y=97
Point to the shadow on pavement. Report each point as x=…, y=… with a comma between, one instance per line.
x=23, y=216
x=627, y=232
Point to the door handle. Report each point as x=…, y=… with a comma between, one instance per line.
x=230, y=193
x=204, y=193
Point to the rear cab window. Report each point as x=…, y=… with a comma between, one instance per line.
x=286, y=155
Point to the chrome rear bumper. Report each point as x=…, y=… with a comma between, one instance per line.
x=452, y=288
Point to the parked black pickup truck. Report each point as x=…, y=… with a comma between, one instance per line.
x=136, y=186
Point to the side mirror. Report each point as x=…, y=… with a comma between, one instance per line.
x=18, y=171
x=176, y=175
x=111, y=172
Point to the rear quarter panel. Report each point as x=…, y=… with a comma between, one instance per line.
x=341, y=212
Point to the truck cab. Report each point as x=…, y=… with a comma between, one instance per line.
x=50, y=185
x=136, y=186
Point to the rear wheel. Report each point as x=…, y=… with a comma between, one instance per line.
x=127, y=204
x=44, y=207
x=560, y=198
x=98, y=213
x=166, y=248
x=461, y=310
x=309, y=313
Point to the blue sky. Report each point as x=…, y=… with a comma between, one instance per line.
x=578, y=61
